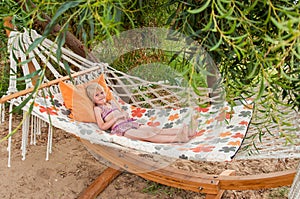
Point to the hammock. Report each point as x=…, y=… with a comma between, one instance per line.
x=216, y=139
x=217, y=144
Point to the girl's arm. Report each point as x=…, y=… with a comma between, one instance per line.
x=102, y=124
x=116, y=104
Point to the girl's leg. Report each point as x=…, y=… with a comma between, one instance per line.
x=170, y=131
x=157, y=135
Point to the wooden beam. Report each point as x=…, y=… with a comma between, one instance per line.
x=259, y=181
x=45, y=85
x=106, y=177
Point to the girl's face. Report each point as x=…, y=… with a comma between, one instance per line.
x=100, y=97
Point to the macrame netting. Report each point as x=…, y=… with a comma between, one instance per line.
x=275, y=141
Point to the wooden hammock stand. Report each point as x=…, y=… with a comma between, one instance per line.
x=212, y=185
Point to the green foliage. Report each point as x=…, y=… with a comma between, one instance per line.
x=256, y=47
x=254, y=43
x=154, y=188
x=279, y=193
x=88, y=20
x=151, y=13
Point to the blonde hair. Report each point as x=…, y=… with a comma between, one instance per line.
x=91, y=90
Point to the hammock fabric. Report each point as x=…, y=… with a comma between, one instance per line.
x=207, y=144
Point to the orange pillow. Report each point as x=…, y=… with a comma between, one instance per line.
x=77, y=101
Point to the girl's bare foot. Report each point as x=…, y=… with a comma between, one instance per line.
x=193, y=127
x=183, y=134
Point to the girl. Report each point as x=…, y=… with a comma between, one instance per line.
x=109, y=115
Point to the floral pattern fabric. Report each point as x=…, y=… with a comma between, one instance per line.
x=219, y=130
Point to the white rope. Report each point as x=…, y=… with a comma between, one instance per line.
x=13, y=46
x=46, y=61
x=274, y=145
x=39, y=126
x=23, y=57
x=31, y=130
x=295, y=189
x=63, y=57
x=48, y=44
x=2, y=113
x=69, y=55
x=9, y=132
x=35, y=130
x=49, y=143
x=25, y=130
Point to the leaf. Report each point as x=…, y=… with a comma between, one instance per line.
x=282, y=72
x=21, y=44
x=217, y=45
x=277, y=24
x=14, y=55
x=63, y=8
x=92, y=28
x=39, y=17
x=208, y=25
x=220, y=8
x=23, y=103
x=198, y=10
x=261, y=88
x=67, y=68
x=239, y=38
x=253, y=71
x=232, y=28
x=260, y=135
x=31, y=75
x=60, y=42
x=226, y=1
x=35, y=43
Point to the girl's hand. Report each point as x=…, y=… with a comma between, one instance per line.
x=122, y=115
x=125, y=114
